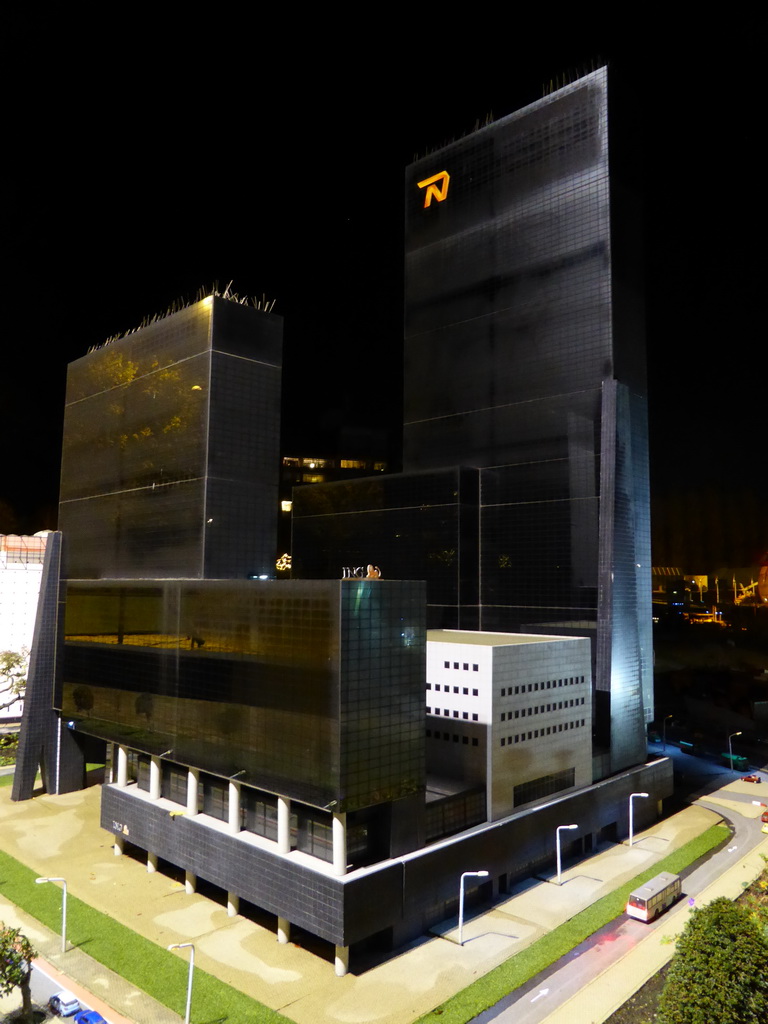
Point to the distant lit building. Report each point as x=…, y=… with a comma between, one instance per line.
x=21, y=566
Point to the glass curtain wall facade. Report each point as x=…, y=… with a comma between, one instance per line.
x=171, y=443
x=525, y=360
x=524, y=356
x=310, y=689
x=411, y=525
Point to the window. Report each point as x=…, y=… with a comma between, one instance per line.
x=474, y=668
x=429, y=711
x=455, y=714
x=503, y=716
x=474, y=693
x=465, y=714
x=466, y=667
x=474, y=718
x=503, y=742
x=474, y=741
x=503, y=692
x=446, y=664
x=429, y=686
x=455, y=664
x=465, y=690
x=455, y=689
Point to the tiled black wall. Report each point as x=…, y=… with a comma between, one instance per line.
x=407, y=894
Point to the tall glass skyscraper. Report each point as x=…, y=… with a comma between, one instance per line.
x=524, y=361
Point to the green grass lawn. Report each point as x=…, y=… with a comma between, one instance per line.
x=163, y=975
x=159, y=973
x=545, y=951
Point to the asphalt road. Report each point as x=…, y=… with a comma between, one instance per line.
x=533, y=1002
x=43, y=987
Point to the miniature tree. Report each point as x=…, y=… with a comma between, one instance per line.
x=13, y=677
x=16, y=956
x=719, y=973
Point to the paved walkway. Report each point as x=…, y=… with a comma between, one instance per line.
x=61, y=836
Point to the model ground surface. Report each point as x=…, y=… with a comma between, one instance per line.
x=60, y=835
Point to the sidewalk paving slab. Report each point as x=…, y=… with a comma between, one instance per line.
x=61, y=836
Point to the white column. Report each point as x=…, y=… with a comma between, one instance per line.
x=234, y=807
x=342, y=961
x=283, y=930
x=283, y=825
x=233, y=904
x=340, y=844
x=193, y=783
x=122, y=766
x=154, y=778
x=190, y=882
x=151, y=862
x=119, y=845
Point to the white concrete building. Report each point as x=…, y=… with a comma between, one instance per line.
x=511, y=712
x=21, y=567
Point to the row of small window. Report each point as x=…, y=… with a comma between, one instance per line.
x=463, y=665
x=542, y=709
x=534, y=734
x=550, y=684
x=456, y=714
x=447, y=689
x=436, y=735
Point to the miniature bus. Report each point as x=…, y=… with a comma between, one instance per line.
x=649, y=900
x=738, y=762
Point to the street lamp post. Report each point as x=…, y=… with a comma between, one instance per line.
x=664, y=734
x=187, y=945
x=557, y=844
x=466, y=874
x=63, y=881
x=730, y=747
x=631, y=819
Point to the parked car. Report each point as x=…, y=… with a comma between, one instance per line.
x=764, y=816
x=89, y=1017
x=750, y=778
x=64, y=1003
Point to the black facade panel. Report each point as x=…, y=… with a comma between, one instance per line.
x=279, y=885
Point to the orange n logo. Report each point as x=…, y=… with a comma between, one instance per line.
x=435, y=190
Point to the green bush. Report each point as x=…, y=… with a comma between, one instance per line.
x=719, y=973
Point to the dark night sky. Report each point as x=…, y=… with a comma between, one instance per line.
x=148, y=160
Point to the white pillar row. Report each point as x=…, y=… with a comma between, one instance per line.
x=119, y=845
x=155, y=775
x=122, y=766
x=283, y=824
x=151, y=862
x=190, y=882
x=233, y=904
x=234, y=807
x=193, y=784
x=340, y=843
x=342, y=961
x=283, y=929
